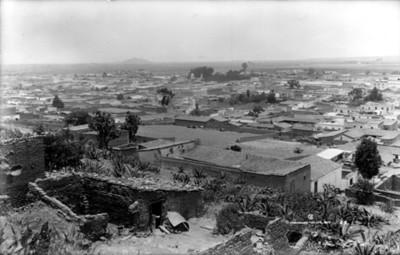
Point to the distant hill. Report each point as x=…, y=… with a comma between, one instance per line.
x=136, y=61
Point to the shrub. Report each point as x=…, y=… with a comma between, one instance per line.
x=363, y=192
x=387, y=206
x=229, y=220
x=298, y=150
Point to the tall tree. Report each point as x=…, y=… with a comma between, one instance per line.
x=57, y=102
x=105, y=125
x=271, y=98
x=374, y=95
x=131, y=124
x=76, y=118
x=367, y=158
x=167, y=95
x=244, y=66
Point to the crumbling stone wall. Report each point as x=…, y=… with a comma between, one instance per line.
x=256, y=220
x=29, y=154
x=115, y=197
x=91, y=194
x=239, y=244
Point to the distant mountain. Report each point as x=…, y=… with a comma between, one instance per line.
x=136, y=61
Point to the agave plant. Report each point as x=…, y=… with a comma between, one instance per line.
x=364, y=249
x=247, y=203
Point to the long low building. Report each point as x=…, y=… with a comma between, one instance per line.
x=290, y=176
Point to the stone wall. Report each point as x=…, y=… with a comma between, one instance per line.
x=256, y=220
x=92, y=194
x=239, y=244
x=29, y=154
x=379, y=196
x=93, y=226
x=115, y=199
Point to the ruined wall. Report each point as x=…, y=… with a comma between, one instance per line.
x=115, y=199
x=67, y=189
x=239, y=244
x=29, y=153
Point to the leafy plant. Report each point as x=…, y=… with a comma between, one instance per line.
x=199, y=174
x=229, y=220
x=370, y=220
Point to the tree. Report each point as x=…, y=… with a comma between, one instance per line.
x=76, y=118
x=374, y=95
x=271, y=98
x=293, y=84
x=167, y=95
x=244, y=66
x=105, y=125
x=204, y=71
x=131, y=124
x=39, y=129
x=356, y=94
x=120, y=96
x=60, y=150
x=367, y=158
x=258, y=109
x=57, y=102
x=196, y=111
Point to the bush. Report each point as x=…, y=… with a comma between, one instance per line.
x=387, y=207
x=363, y=192
x=229, y=220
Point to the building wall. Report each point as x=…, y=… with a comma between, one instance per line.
x=186, y=123
x=334, y=178
x=154, y=155
x=301, y=179
x=107, y=195
x=29, y=153
x=273, y=181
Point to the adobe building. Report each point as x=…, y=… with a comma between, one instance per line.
x=25, y=159
x=290, y=176
x=125, y=202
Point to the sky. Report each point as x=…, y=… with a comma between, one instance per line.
x=58, y=32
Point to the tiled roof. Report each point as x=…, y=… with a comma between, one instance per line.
x=320, y=166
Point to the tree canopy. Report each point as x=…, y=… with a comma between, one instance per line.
x=374, y=95
x=104, y=124
x=131, y=124
x=356, y=94
x=167, y=95
x=120, y=96
x=204, y=71
x=57, y=102
x=293, y=84
x=61, y=150
x=367, y=158
x=77, y=118
x=258, y=109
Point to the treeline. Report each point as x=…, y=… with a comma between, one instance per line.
x=253, y=98
x=207, y=73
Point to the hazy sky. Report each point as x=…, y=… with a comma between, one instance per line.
x=108, y=31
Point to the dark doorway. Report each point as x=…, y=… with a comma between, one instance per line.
x=156, y=210
x=316, y=186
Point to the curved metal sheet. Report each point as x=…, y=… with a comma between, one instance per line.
x=175, y=218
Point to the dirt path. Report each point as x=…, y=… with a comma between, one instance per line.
x=196, y=239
